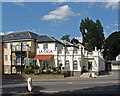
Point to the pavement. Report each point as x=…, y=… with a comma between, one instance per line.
x=104, y=84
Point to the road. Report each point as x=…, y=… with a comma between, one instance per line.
x=100, y=85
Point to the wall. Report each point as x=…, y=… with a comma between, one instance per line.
x=115, y=66
x=40, y=50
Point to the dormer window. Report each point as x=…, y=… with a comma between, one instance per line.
x=37, y=46
x=6, y=46
x=21, y=34
x=12, y=36
x=45, y=46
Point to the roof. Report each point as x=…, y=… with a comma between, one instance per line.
x=43, y=57
x=115, y=62
x=20, y=36
x=27, y=35
x=47, y=38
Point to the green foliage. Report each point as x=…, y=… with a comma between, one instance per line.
x=66, y=37
x=36, y=71
x=58, y=70
x=92, y=33
x=54, y=72
x=48, y=70
x=28, y=70
x=41, y=70
x=74, y=41
x=112, y=46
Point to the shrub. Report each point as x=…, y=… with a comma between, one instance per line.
x=36, y=71
x=54, y=72
x=41, y=70
x=28, y=70
x=58, y=70
x=48, y=70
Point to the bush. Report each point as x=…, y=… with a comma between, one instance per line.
x=41, y=70
x=28, y=70
x=54, y=72
x=36, y=71
x=58, y=70
x=48, y=70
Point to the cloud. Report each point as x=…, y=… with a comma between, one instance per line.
x=59, y=2
x=107, y=26
x=59, y=13
x=105, y=33
x=9, y=32
x=116, y=24
x=18, y=2
x=113, y=5
x=1, y=33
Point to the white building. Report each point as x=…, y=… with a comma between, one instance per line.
x=75, y=59
x=115, y=65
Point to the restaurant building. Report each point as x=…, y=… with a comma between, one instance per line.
x=74, y=58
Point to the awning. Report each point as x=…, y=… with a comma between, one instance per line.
x=43, y=57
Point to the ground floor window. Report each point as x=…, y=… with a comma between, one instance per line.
x=75, y=65
x=6, y=69
x=67, y=65
x=89, y=66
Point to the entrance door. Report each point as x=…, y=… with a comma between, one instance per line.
x=89, y=66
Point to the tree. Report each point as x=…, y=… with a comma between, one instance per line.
x=112, y=46
x=74, y=41
x=66, y=37
x=92, y=33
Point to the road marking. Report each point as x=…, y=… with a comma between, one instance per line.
x=46, y=91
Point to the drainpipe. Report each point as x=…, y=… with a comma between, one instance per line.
x=2, y=55
x=21, y=57
x=11, y=58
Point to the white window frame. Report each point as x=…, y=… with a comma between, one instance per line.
x=75, y=65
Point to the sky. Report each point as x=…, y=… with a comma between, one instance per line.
x=57, y=18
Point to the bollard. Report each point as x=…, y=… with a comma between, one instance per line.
x=29, y=81
x=93, y=75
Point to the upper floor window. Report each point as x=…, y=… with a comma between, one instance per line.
x=6, y=57
x=55, y=45
x=45, y=46
x=6, y=45
x=67, y=66
x=11, y=45
x=59, y=52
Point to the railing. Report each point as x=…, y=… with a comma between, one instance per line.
x=18, y=48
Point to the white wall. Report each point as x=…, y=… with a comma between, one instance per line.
x=118, y=58
x=51, y=47
x=115, y=67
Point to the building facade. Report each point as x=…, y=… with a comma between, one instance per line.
x=21, y=47
x=115, y=64
x=75, y=59
x=16, y=48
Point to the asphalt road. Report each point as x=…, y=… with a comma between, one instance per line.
x=107, y=84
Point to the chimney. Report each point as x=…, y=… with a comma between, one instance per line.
x=95, y=48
